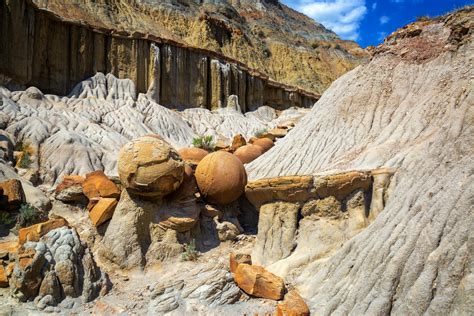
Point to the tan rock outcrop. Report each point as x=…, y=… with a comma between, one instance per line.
x=256, y=281
x=290, y=189
x=293, y=305
x=221, y=177
x=248, y=153
x=96, y=185
x=149, y=166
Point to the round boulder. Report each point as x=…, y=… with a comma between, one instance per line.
x=149, y=166
x=192, y=155
x=248, y=153
x=264, y=143
x=221, y=177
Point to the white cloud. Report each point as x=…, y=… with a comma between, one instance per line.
x=374, y=5
x=341, y=16
x=384, y=19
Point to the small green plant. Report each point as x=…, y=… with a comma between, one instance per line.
x=27, y=215
x=261, y=132
x=204, y=142
x=25, y=158
x=190, y=253
x=5, y=219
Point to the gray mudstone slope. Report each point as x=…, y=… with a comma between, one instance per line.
x=410, y=108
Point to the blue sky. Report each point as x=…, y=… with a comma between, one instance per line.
x=368, y=22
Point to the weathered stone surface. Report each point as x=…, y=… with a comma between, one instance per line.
x=277, y=227
x=56, y=267
x=128, y=235
x=13, y=195
x=209, y=284
x=237, y=258
x=70, y=189
x=264, y=143
x=179, y=216
x=293, y=305
x=248, y=153
x=398, y=111
x=327, y=207
x=6, y=144
x=149, y=166
x=96, y=184
x=102, y=211
x=192, y=155
x=221, y=177
x=35, y=232
x=290, y=189
x=341, y=185
x=256, y=281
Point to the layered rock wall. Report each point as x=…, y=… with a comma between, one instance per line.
x=38, y=48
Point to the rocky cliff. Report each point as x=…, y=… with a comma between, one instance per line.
x=194, y=55
x=42, y=49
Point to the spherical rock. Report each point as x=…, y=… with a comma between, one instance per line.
x=192, y=155
x=248, y=153
x=149, y=166
x=264, y=143
x=221, y=177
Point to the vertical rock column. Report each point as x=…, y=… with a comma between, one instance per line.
x=155, y=75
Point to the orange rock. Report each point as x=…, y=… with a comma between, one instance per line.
x=7, y=247
x=70, y=189
x=192, y=155
x=102, y=211
x=3, y=277
x=248, y=153
x=221, y=177
x=13, y=195
x=237, y=258
x=257, y=281
x=292, y=305
x=237, y=142
x=97, y=184
x=264, y=143
x=9, y=269
x=69, y=181
x=35, y=232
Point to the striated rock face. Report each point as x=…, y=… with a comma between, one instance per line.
x=411, y=109
x=114, y=36
x=174, y=74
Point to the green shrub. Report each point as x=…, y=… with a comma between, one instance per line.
x=27, y=215
x=25, y=158
x=5, y=219
x=190, y=252
x=204, y=142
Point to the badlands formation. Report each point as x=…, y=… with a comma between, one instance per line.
x=130, y=195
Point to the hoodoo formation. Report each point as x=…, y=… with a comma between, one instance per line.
x=232, y=157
